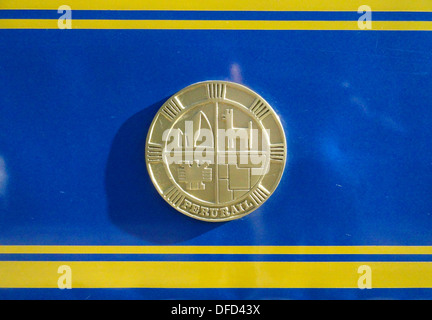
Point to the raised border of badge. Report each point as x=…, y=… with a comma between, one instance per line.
x=173, y=110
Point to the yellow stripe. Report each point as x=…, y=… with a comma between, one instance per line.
x=215, y=25
x=215, y=274
x=223, y=5
x=401, y=250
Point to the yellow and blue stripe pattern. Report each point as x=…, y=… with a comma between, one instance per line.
x=218, y=15
x=216, y=266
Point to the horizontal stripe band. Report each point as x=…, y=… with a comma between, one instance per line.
x=215, y=274
x=394, y=250
x=216, y=15
x=223, y=5
x=220, y=257
x=215, y=25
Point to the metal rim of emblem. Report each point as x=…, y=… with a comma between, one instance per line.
x=224, y=183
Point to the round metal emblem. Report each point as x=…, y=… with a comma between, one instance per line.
x=216, y=151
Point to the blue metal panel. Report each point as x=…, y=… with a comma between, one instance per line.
x=75, y=108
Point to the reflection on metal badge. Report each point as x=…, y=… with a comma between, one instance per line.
x=216, y=151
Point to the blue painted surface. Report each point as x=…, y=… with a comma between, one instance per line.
x=216, y=15
x=75, y=107
x=215, y=294
x=218, y=257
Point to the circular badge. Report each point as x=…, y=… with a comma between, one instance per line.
x=216, y=151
